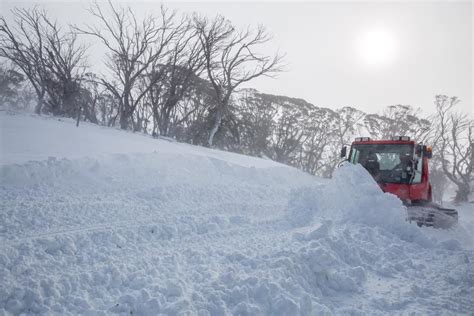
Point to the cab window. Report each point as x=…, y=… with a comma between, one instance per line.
x=388, y=163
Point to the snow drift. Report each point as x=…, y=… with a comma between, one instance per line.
x=169, y=228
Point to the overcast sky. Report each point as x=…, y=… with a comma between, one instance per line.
x=362, y=54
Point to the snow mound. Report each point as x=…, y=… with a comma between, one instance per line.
x=176, y=229
x=353, y=197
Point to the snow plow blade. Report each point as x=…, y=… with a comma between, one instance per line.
x=432, y=215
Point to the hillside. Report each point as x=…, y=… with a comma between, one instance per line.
x=95, y=220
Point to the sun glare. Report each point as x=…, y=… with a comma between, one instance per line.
x=377, y=47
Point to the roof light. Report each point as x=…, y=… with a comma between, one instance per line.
x=407, y=138
x=362, y=139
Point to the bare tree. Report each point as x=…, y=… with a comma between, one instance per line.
x=289, y=133
x=454, y=137
x=23, y=44
x=134, y=46
x=257, y=116
x=348, y=124
x=184, y=65
x=406, y=120
x=438, y=180
x=320, y=130
x=10, y=84
x=91, y=93
x=397, y=120
x=66, y=67
x=190, y=118
x=231, y=60
x=49, y=57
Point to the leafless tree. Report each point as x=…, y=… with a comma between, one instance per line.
x=190, y=120
x=406, y=120
x=320, y=129
x=66, y=67
x=49, y=57
x=178, y=75
x=134, y=46
x=397, y=120
x=454, y=139
x=10, y=84
x=257, y=117
x=23, y=44
x=289, y=133
x=231, y=59
x=91, y=93
x=348, y=124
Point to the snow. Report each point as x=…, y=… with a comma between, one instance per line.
x=97, y=221
x=64, y=140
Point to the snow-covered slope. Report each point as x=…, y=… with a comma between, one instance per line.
x=30, y=137
x=98, y=221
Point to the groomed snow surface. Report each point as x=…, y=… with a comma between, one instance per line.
x=98, y=221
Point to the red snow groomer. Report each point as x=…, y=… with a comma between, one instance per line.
x=400, y=167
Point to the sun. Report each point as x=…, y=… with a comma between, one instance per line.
x=377, y=47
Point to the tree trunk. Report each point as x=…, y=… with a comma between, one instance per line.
x=90, y=115
x=78, y=116
x=164, y=123
x=462, y=193
x=124, y=119
x=126, y=111
x=215, y=128
x=137, y=125
x=39, y=105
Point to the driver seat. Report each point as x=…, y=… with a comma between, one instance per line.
x=372, y=165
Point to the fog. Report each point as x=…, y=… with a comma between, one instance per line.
x=365, y=55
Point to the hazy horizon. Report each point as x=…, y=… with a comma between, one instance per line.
x=362, y=54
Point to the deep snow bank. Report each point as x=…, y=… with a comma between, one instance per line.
x=353, y=234
x=353, y=197
x=195, y=231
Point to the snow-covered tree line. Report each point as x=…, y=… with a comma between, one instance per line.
x=181, y=77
